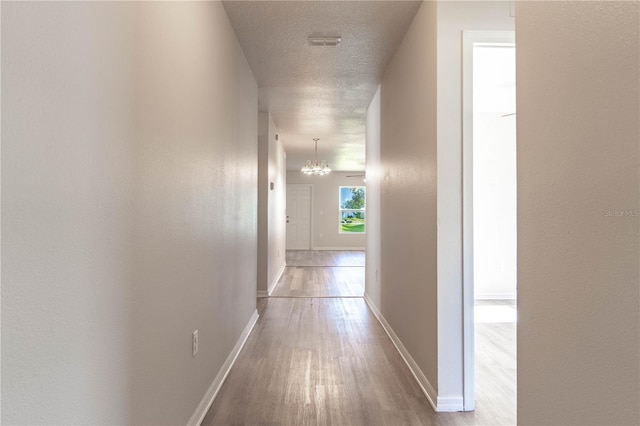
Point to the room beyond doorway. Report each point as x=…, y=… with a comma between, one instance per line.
x=489, y=211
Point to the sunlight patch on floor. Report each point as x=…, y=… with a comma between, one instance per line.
x=495, y=313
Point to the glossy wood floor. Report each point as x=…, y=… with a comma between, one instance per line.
x=325, y=258
x=311, y=273
x=317, y=281
x=327, y=361
x=495, y=338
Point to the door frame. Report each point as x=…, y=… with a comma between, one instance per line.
x=311, y=215
x=469, y=39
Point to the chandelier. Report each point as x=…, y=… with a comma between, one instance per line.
x=316, y=167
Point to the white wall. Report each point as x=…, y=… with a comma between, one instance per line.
x=453, y=18
x=578, y=203
x=494, y=173
x=271, y=205
x=325, y=232
x=373, y=264
x=129, y=208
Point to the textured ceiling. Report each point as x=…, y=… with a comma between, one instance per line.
x=320, y=91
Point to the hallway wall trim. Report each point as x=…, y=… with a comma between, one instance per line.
x=212, y=392
x=275, y=281
x=424, y=384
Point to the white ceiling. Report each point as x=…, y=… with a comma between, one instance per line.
x=320, y=91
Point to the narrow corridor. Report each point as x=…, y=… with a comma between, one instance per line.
x=328, y=361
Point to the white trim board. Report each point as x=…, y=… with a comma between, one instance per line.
x=424, y=384
x=450, y=404
x=340, y=248
x=212, y=392
x=276, y=280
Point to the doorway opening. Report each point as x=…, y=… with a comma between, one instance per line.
x=489, y=220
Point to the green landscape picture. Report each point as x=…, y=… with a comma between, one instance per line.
x=352, y=225
x=352, y=205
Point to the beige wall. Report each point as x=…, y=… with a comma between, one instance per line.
x=271, y=205
x=277, y=207
x=129, y=163
x=408, y=198
x=419, y=173
x=263, y=201
x=578, y=252
x=373, y=264
x=453, y=18
x=325, y=232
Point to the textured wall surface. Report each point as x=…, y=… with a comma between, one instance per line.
x=129, y=162
x=320, y=91
x=408, y=297
x=373, y=264
x=263, y=200
x=277, y=210
x=325, y=209
x=578, y=203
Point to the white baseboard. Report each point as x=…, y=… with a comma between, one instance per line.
x=339, y=248
x=276, y=280
x=213, y=390
x=448, y=404
x=496, y=296
x=424, y=384
x=273, y=284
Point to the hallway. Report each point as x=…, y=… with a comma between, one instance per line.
x=146, y=152
x=327, y=360
x=322, y=273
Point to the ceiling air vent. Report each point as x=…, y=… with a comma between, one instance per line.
x=324, y=41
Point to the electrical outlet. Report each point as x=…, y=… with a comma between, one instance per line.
x=321, y=235
x=194, y=343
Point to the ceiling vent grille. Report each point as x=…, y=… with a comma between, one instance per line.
x=324, y=41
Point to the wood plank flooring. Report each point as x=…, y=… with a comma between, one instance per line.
x=318, y=361
x=327, y=361
x=315, y=281
x=496, y=364
x=322, y=273
x=325, y=258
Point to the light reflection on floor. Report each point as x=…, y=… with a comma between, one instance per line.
x=495, y=313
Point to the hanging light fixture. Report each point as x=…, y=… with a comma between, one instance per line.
x=316, y=167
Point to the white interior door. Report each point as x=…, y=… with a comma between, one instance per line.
x=298, y=217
